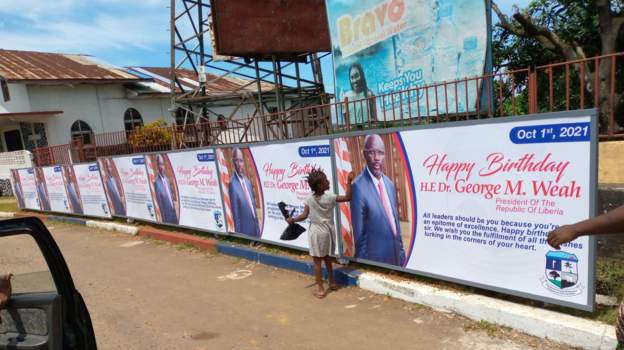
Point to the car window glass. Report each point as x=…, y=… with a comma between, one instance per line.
x=21, y=256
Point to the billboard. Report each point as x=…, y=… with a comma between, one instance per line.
x=16, y=184
x=286, y=29
x=41, y=189
x=470, y=202
x=242, y=194
x=25, y=187
x=127, y=187
x=478, y=202
x=72, y=190
x=86, y=190
x=255, y=175
x=377, y=224
x=55, y=186
x=384, y=46
x=185, y=189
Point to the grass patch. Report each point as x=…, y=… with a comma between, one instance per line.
x=9, y=206
x=186, y=247
x=607, y=315
x=154, y=241
x=491, y=329
x=610, y=276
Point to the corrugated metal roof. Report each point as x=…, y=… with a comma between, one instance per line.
x=32, y=66
x=188, y=79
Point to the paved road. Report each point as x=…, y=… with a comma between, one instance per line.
x=150, y=295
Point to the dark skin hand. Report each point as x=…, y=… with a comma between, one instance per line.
x=5, y=289
x=608, y=223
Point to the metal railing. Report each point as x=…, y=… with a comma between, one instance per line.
x=580, y=84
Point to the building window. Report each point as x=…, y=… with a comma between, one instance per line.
x=83, y=131
x=180, y=114
x=132, y=119
x=4, y=85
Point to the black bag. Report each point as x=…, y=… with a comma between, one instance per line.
x=293, y=231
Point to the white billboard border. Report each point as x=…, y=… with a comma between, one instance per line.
x=593, y=184
x=103, y=189
x=128, y=217
x=199, y=149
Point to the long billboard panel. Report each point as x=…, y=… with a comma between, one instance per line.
x=470, y=202
x=84, y=183
x=255, y=179
x=25, y=187
x=55, y=186
x=127, y=187
x=474, y=203
x=185, y=189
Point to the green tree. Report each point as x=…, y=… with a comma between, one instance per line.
x=548, y=31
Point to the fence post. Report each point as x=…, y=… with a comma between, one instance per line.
x=346, y=114
x=532, y=90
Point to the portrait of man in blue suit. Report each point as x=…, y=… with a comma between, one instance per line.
x=17, y=189
x=242, y=198
x=114, y=195
x=72, y=190
x=374, y=214
x=42, y=191
x=164, y=194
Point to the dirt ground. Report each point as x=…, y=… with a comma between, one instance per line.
x=144, y=294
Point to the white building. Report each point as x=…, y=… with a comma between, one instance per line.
x=48, y=98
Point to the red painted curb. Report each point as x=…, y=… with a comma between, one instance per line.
x=178, y=238
x=27, y=215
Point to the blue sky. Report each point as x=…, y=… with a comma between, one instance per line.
x=121, y=32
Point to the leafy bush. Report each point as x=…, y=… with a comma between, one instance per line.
x=156, y=133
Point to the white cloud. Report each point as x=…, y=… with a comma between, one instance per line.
x=37, y=9
x=104, y=32
x=71, y=27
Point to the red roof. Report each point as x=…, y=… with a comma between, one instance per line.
x=31, y=66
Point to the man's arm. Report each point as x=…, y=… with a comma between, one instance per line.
x=234, y=206
x=358, y=212
x=348, y=195
x=608, y=223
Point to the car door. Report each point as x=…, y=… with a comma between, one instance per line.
x=45, y=310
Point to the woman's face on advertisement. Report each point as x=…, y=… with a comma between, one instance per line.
x=355, y=76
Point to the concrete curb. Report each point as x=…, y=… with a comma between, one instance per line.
x=113, y=226
x=552, y=325
x=178, y=238
x=6, y=214
x=68, y=219
x=574, y=331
